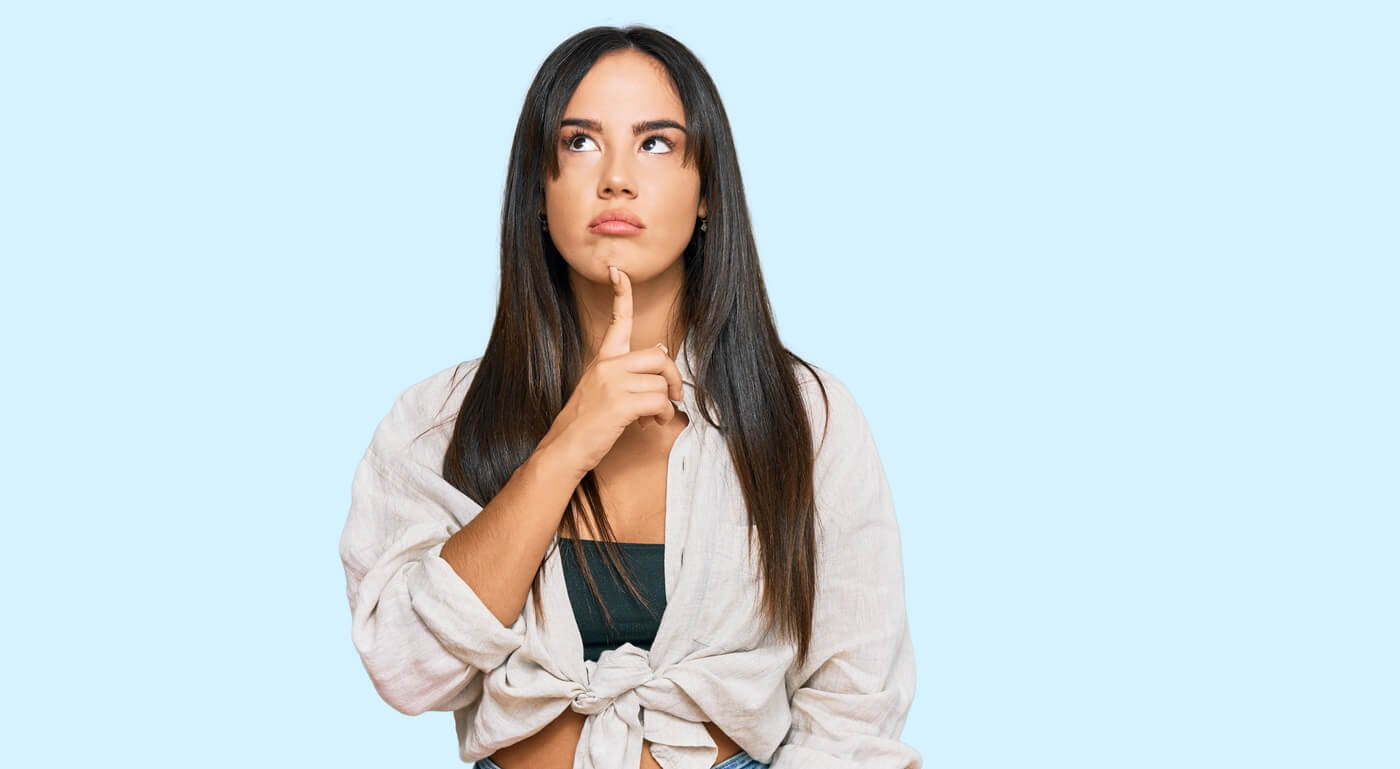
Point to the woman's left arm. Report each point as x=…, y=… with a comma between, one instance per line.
x=858, y=683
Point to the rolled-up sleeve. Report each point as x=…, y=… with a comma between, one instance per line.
x=854, y=693
x=423, y=634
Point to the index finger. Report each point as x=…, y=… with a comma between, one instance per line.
x=617, y=340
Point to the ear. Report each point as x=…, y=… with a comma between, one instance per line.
x=704, y=209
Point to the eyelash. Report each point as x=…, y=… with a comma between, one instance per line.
x=569, y=140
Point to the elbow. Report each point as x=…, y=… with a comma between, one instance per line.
x=424, y=637
x=410, y=669
x=415, y=686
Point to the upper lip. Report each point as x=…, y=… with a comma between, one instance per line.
x=619, y=214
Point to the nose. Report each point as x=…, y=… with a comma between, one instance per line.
x=617, y=178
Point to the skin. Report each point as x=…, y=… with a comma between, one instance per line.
x=613, y=168
x=599, y=171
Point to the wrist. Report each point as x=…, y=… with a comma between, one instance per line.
x=553, y=460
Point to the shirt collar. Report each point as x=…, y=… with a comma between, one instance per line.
x=690, y=399
x=683, y=363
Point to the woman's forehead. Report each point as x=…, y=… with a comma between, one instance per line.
x=623, y=88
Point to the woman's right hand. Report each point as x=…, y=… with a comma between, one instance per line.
x=618, y=387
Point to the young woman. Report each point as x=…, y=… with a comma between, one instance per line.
x=602, y=554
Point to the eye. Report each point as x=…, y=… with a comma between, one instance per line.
x=664, y=140
x=570, y=142
x=574, y=137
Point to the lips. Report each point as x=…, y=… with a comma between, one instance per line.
x=617, y=215
x=615, y=227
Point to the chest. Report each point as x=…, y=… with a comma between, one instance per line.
x=633, y=479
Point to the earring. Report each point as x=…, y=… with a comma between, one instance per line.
x=703, y=222
x=544, y=222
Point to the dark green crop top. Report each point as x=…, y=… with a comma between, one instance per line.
x=631, y=622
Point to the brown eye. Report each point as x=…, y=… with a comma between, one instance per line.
x=570, y=142
x=572, y=138
x=664, y=140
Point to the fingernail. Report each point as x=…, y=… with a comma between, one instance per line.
x=612, y=274
x=663, y=348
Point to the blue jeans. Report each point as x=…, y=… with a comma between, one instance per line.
x=740, y=760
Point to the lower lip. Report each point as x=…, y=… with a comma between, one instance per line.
x=615, y=227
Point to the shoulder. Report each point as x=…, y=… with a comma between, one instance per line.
x=833, y=412
x=426, y=407
x=847, y=469
x=852, y=490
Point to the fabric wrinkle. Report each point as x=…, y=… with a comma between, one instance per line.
x=430, y=643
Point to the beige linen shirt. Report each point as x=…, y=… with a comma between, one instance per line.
x=429, y=643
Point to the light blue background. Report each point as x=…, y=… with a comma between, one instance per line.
x=1115, y=284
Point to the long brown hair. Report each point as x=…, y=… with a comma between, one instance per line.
x=745, y=378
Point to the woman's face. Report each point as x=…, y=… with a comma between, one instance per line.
x=604, y=166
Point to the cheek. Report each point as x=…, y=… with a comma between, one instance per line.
x=575, y=173
x=561, y=205
x=574, y=192
x=684, y=216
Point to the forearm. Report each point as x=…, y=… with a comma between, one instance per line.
x=499, y=550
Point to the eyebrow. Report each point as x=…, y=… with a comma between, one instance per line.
x=637, y=128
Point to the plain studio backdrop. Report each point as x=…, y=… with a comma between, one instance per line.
x=1114, y=283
